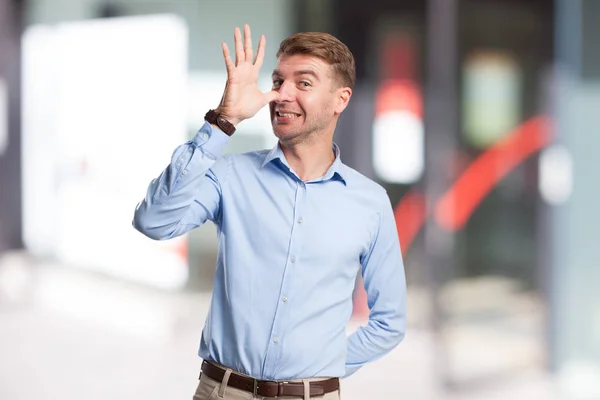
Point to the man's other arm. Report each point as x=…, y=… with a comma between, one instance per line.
x=385, y=284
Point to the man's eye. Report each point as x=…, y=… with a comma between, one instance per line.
x=277, y=82
x=305, y=83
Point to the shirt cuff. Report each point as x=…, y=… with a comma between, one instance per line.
x=212, y=140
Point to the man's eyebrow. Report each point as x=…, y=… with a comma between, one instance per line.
x=307, y=72
x=297, y=73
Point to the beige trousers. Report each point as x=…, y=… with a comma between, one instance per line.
x=209, y=389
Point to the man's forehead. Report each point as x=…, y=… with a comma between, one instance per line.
x=300, y=63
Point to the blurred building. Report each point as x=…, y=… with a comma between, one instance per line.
x=480, y=118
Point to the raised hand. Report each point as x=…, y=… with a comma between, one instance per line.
x=242, y=98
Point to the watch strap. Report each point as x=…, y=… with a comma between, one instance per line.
x=213, y=117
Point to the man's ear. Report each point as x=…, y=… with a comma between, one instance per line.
x=343, y=97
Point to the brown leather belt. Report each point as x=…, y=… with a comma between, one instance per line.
x=270, y=388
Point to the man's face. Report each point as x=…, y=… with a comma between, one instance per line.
x=309, y=98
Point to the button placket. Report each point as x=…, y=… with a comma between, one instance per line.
x=282, y=310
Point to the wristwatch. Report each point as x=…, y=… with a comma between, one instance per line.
x=212, y=117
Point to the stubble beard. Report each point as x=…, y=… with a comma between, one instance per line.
x=305, y=134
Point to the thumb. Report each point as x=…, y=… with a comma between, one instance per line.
x=273, y=95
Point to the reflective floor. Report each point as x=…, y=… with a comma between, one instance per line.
x=67, y=334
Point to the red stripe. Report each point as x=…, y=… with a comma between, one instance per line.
x=410, y=216
x=455, y=208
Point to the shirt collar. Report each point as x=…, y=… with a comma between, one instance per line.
x=335, y=172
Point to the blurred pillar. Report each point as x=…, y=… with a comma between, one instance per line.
x=441, y=130
x=575, y=221
x=11, y=20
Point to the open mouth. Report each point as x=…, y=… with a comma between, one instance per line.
x=286, y=114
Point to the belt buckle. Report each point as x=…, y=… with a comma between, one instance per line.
x=279, y=388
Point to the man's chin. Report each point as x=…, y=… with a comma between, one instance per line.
x=282, y=132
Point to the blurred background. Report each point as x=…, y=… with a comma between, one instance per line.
x=480, y=117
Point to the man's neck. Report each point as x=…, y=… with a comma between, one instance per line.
x=310, y=159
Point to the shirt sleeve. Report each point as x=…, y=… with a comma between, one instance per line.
x=188, y=191
x=385, y=285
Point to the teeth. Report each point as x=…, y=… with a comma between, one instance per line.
x=286, y=115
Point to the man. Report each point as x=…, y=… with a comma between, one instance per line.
x=295, y=226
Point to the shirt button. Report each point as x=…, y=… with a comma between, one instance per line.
x=302, y=184
x=275, y=340
x=284, y=298
x=300, y=221
x=293, y=259
x=205, y=136
x=184, y=172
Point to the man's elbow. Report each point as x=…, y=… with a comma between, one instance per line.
x=146, y=230
x=143, y=223
x=398, y=337
x=397, y=333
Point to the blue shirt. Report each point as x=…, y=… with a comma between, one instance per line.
x=288, y=257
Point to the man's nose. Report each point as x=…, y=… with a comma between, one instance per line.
x=287, y=91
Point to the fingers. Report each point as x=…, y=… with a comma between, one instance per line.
x=228, y=62
x=239, y=48
x=260, y=54
x=248, y=43
x=243, y=49
x=273, y=95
